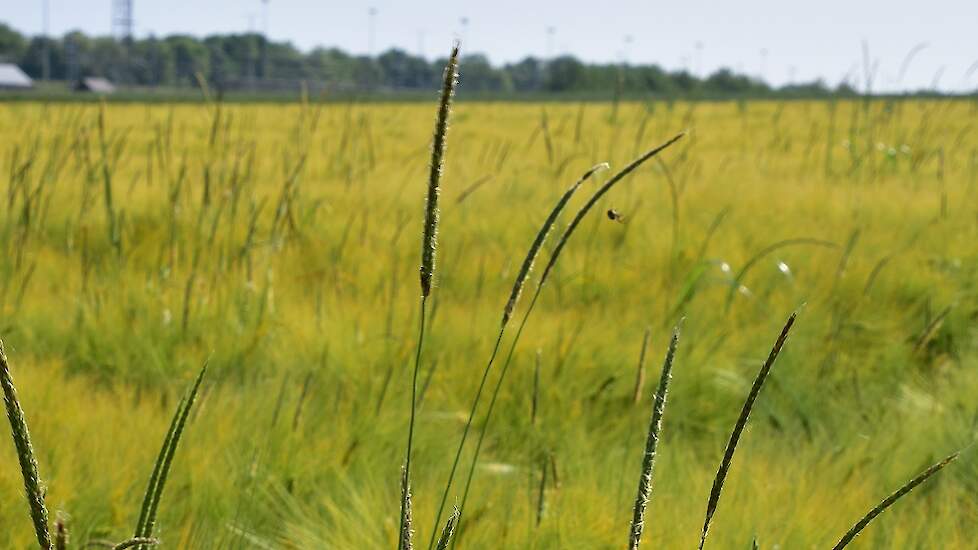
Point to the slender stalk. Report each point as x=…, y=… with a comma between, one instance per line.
x=508, y=309
x=465, y=433
x=429, y=245
x=554, y=256
x=640, y=374
x=404, y=534
x=739, y=277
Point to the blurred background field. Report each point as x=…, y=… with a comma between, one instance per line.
x=279, y=242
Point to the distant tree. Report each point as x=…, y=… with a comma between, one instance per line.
x=725, y=82
x=231, y=60
x=12, y=44
x=152, y=63
x=285, y=61
x=189, y=57
x=846, y=89
x=806, y=89
x=32, y=61
x=564, y=74
x=685, y=82
x=480, y=76
x=331, y=65
x=108, y=58
x=526, y=75
x=367, y=73
x=402, y=70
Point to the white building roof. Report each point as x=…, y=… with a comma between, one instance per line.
x=96, y=84
x=12, y=77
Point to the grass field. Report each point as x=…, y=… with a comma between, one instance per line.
x=280, y=244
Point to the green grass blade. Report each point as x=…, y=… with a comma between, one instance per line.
x=170, y=447
x=518, y=284
x=157, y=467
x=890, y=500
x=541, y=237
x=597, y=196
x=554, y=256
x=739, y=277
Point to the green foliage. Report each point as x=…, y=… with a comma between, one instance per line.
x=250, y=61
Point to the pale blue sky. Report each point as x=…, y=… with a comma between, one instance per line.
x=806, y=39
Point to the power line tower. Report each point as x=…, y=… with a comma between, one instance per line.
x=122, y=25
x=122, y=21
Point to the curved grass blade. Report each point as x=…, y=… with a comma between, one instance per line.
x=155, y=490
x=890, y=500
x=541, y=237
x=597, y=196
x=155, y=476
x=651, y=445
x=25, y=454
x=738, y=429
x=739, y=277
x=640, y=370
x=518, y=285
x=554, y=256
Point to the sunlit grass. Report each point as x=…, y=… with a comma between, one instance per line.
x=310, y=323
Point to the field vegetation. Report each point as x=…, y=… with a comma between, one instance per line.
x=280, y=245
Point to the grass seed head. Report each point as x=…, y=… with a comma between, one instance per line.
x=25, y=454
x=430, y=239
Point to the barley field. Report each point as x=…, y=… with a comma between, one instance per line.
x=280, y=244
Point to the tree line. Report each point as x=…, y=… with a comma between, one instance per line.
x=250, y=61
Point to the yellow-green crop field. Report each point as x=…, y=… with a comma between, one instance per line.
x=280, y=244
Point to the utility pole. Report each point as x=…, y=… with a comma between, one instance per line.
x=463, y=35
x=371, y=29
x=699, y=60
x=551, y=31
x=252, y=60
x=71, y=59
x=265, y=73
x=763, y=64
x=122, y=25
x=122, y=20
x=46, y=30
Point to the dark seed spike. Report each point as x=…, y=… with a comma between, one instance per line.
x=738, y=429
